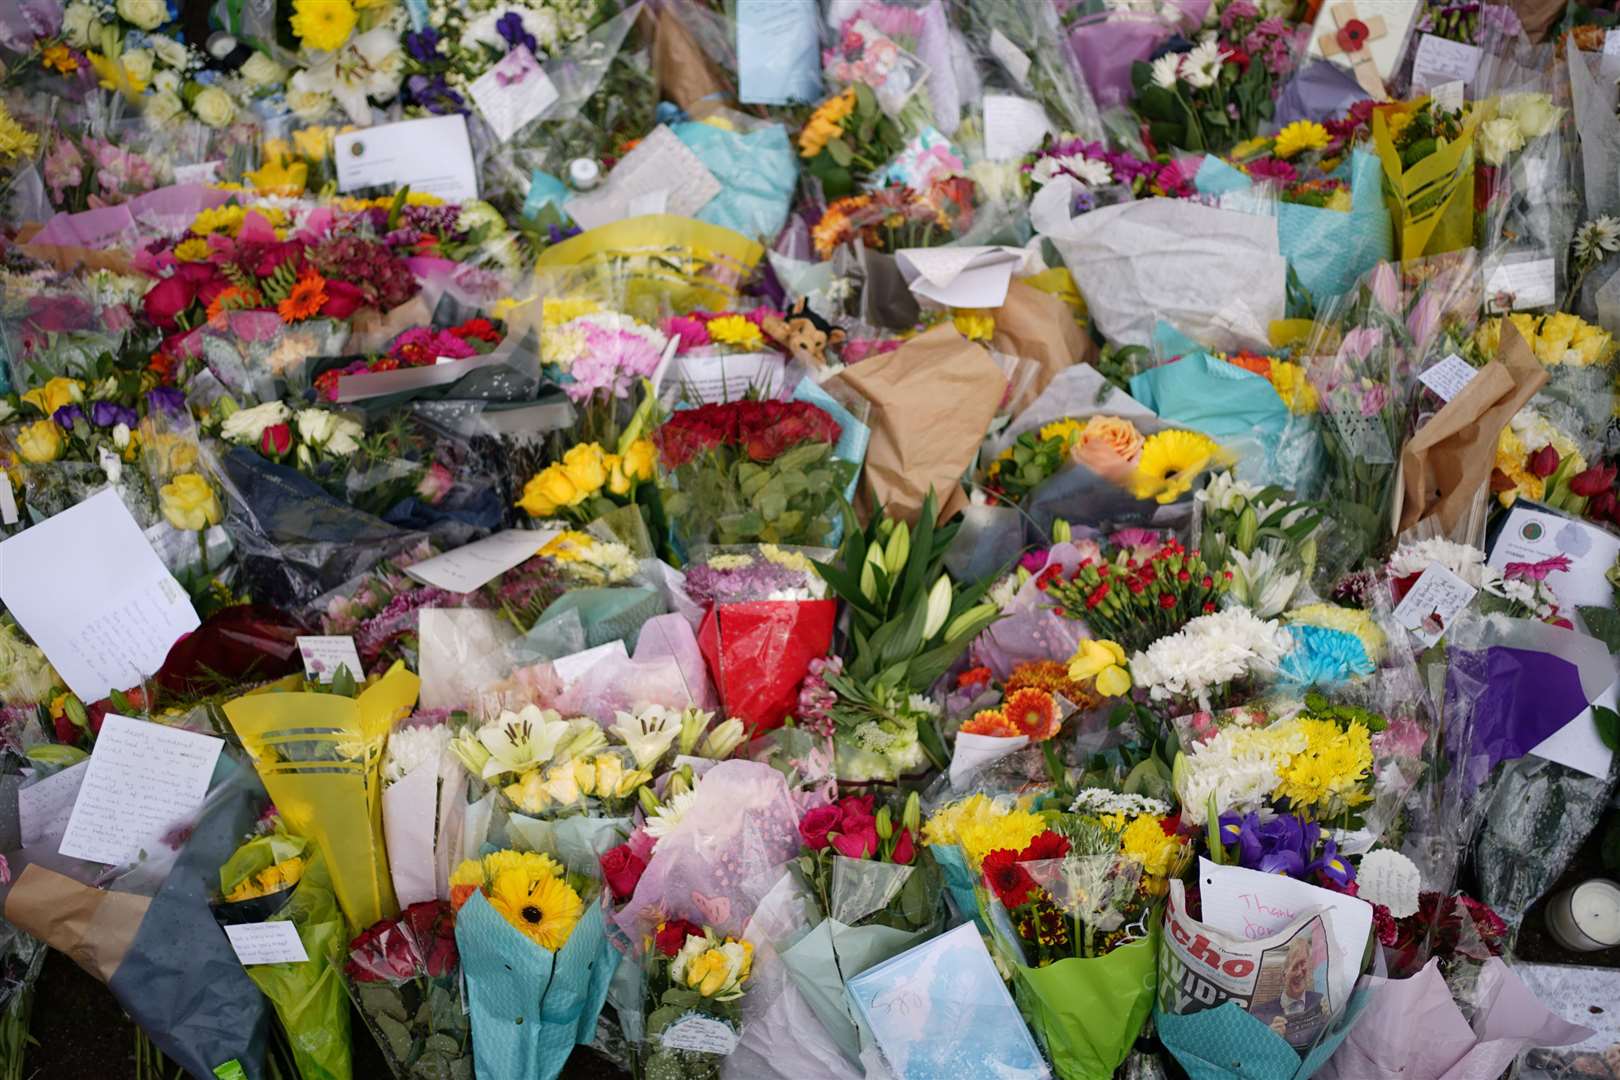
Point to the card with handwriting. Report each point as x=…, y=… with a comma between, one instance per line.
x=513, y=92
x=43, y=807
x=324, y=654
x=144, y=781
x=267, y=943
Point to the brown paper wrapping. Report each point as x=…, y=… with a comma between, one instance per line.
x=67, y=259
x=1538, y=16
x=932, y=402
x=94, y=927
x=1039, y=326
x=1447, y=464
x=681, y=70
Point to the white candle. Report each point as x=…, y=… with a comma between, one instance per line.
x=1587, y=917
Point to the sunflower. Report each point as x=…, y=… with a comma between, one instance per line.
x=545, y=909
x=305, y=298
x=1032, y=712
x=1171, y=460
x=323, y=24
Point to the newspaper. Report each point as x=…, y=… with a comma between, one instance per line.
x=1285, y=980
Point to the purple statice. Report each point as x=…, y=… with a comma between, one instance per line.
x=510, y=26
x=106, y=414
x=433, y=94
x=167, y=400
x=439, y=220
x=816, y=698
x=707, y=585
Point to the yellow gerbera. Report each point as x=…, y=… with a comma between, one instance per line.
x=1300, y=136
x=737, y=331
x=323, y=24
x=1170, y=462
x=544, y=909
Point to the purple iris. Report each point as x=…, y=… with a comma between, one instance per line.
x=556, y=234
x=1332, y=867
x=434, y=94
x=423, y=45
x=67, y=416
x=106, y=414
x=166, y=399
x=1282, y=845
x=511, y=28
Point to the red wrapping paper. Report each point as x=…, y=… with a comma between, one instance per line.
x=758, y=652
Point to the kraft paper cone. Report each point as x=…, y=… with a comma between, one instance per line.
x=1447, y=464
x=92, y=926
x=680, y=68
x=1039, y=326
x=67, y=259
x=932, y=402
x=1538, y=16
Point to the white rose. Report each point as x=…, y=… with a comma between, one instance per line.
x=146, y=14
x=305, y=100
x=120, y=436
x=170, y=52
x=260, y=70
x=316, y=425
x=245, y=426
x=346, y=435
x=76, y=23
x=214, y=107
x=1498, y=138
x=7, y=409
x=1535, y=114
x=138, y=63
x=164, y=106
x=167, y=82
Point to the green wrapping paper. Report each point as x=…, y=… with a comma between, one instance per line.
x=1088, y=1012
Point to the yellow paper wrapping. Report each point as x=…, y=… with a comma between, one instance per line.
x=654, y=264
x=1432, y=203
x=319, y=756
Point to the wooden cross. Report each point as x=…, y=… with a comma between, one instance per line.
x=1350, y=40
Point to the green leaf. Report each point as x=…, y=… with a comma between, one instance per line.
x=840, y=152
x=1604, y=623
x=1608, y=726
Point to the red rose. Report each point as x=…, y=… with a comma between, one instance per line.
x=673, y=934
x=1007, y=879
x=858, y=843
x=442, y=956
x=343, y=299
x=276, y=440
x=1048, y=845
x=481, y=329
x=856, y=809
x=1544, y=462
x=621, y=869
x=815, y=827
x=167, y=299
x=904, y=849
x=1593, y=481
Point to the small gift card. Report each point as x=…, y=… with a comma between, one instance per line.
x=267, y=943
x=1448, y=377
x=324, y=655
x=1432, y=602
x=1521, y=286
x=1441, y=61
x=513, y=92
x=432, y=155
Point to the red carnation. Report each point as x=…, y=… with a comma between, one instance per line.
x=673, y=934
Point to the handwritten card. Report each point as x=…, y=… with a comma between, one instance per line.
x=323, y=655
x=1521, y=286
x=45, y=807
x=88, y=588
x=432, y=155
x=1256, y=905
x=267, y=943
x=1448, y=377
x=1440, y=60
x=700, y=1033
x=705, y=379
x=513, y=92
x=1530, y=534
x=1432, y=602
x=472, y=566
x=143, y=780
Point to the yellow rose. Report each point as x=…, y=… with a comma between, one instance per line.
x=707, y=973
x=583, y=466
x=617, y=482
x=55, y=394
x=609, y=773
x=188, y=502
x=40, y=441
x=641, y=460
x=548, y=491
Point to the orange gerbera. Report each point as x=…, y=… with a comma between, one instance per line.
x=990, y=722
x=305, y=299
x=1051, y=676
x=1248, y=361
x=1034, y=713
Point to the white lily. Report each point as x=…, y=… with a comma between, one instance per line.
x=722, y=740
x=1258, y=582
x=939, y=607
x=369, y=65
x=521, y=741
x=648, y=735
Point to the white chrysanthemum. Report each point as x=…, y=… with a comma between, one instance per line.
x=1166, y=69
x=410, y=747
x=1089, y=171
x=1597, y=238
x=1209, y=652
x=669, y=815
x=1236, y=770
x=1203, y=64
x=1467, y=562
x=1104, y=801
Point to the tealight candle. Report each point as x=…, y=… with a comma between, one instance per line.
x=1586, y=917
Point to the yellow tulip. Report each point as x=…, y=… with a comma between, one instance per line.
x=53, y=395
x=189, y=503
x=641, y=460
x=40, y=441
x=584, y=468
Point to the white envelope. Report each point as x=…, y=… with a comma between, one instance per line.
x=969, y=277
x=432, y=155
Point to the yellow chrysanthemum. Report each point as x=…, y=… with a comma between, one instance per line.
x=223, y=219
x=1171, y=460
x=1293, y=387
x=824, y=123
x=1347, y=620
x=16, y=141
x=736, y=331
x=323, y=24
x=568, y=546
x=191, y=249
x=557, y=310
x=980, y=826
x=544, y=908
x=1300, y=136
x=1067, y=429
x=1144, y=842
x=1329, y=772
x=975, y=324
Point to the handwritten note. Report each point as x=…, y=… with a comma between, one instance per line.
x=1432, y=603
x=1440, y=60
x=1448, y=377
x=704, y=379
x=45, y=807
x=701, y=1033
x=143, y=780
x=267, y=943
x=1387, y=877
x=475, y=565
x=323, y=655
x=88, y=588
x=1521, y=286
x=513, y=92
x=660, y=162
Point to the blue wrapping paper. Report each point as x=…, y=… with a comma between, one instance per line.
x=757, y=170
x=1226, y=1043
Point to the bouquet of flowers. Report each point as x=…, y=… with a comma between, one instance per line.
x=523, y=922
x=405, y=975
x=589, y=482
x=1073, y=913
x=420, y=346
x=1147, y=588
x=349, y=54
x=747, y=471
x=694, y=980
x=1428, y=156
x=597, y=355
x=847, y=139
x=1263, y=536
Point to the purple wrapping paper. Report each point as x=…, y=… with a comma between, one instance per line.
x=1320, y=90
x=1105, y=48
x=1527, y=696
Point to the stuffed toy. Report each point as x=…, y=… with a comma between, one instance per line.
x=804, y=334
